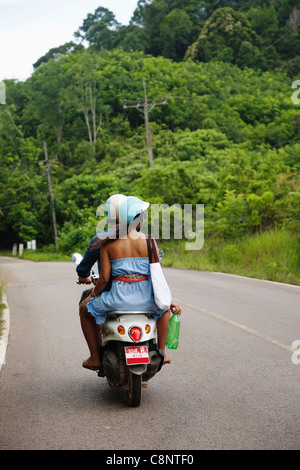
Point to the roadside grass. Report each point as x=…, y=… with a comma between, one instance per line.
x=39, y=256
x=273, y=256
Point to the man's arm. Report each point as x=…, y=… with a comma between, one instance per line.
x=90, y=258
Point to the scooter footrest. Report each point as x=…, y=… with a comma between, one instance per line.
x=101, y=371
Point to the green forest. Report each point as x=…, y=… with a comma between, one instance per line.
x=224, y=111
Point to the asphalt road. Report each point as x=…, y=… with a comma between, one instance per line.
x=231, y=385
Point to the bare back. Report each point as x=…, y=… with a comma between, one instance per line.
x=133, y=246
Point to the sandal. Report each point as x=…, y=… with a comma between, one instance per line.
x=86, y=366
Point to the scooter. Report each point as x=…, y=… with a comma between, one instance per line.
x=128, y=349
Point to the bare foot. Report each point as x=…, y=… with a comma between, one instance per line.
x=167, y=360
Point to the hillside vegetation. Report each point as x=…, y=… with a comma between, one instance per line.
x=228, y=135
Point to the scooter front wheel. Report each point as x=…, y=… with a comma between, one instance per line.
x=134, y=391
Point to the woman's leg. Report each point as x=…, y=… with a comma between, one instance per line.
x=162, y=331
x=90, y=331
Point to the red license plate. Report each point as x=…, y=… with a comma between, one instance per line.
x=136, y=355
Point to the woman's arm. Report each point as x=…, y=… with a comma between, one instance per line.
x=105, y=273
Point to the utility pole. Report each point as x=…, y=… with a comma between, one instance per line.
x=51, y=194
x=145, y=108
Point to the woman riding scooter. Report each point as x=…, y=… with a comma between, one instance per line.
x=124, y=256
x=92, y=256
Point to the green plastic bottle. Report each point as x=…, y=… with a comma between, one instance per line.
x=173, y=332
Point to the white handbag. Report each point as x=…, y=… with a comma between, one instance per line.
x=162, y=293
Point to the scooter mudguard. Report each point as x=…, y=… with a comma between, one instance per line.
x=161, y=356
x=139, y=369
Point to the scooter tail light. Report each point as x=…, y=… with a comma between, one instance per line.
x=135, y=333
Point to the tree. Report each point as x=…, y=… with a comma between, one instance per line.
x=45, y=105
x=210, y=143
x=132, y=38
x=175, y=34
x=99, y=29
x=56, y=52
x=222, y=37
x=84, y=92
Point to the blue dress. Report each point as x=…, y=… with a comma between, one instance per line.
x=126, y=296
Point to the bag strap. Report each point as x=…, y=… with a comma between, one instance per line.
x=152, y=252
x=149, y=248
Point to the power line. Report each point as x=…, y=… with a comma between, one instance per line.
x=266, y=48
x=21, y=188
x=214, y=165
x=40, y=196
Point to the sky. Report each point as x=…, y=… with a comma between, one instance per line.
x=29, y=28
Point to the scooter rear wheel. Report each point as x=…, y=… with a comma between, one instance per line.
x=134, y=391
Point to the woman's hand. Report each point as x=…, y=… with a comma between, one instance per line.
x=175, y=308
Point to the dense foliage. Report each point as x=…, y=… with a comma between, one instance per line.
x=262, y=33
x=228, y=137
